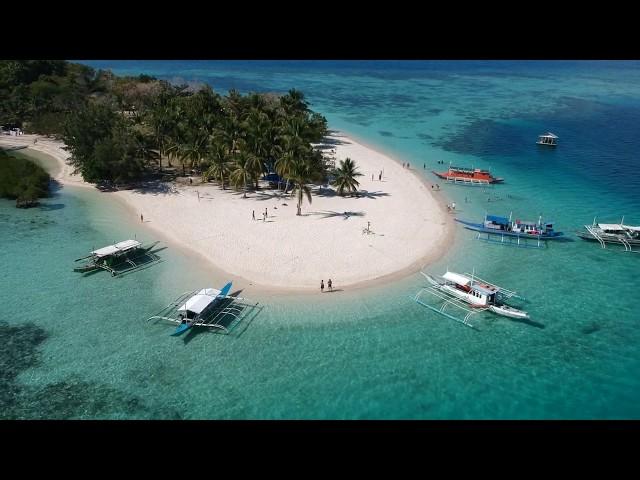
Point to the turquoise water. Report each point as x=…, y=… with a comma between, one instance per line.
x=78, y=347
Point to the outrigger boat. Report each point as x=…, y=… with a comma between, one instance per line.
x=548, y=139
x=469, y=294
x=121, y=254
x=516, y=233
x=468, y=176
x=626, y=235
x=207, y=307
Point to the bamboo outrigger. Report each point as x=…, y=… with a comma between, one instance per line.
x=468, y=295
x=119, y=258
x=627, y=236
x=518, y=233
x=207, y=307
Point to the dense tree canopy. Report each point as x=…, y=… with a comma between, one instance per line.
x=119, y=128
x=22, y=180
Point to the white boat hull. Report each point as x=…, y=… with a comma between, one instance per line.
x=510, y=312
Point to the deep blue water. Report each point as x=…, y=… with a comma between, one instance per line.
x=372, y=354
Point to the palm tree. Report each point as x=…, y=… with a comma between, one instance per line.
x=220, y=167
x=292, y=146
x=192, y=152
x=345, y=176
x=242, y=174
x=257, y=140
x=303, y=172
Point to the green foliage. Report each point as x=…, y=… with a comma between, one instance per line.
x=345, y=176
x=118, y=128
x=21, y=179
x=36, y=91
x=103, y=145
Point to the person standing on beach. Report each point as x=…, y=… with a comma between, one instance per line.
x=330, y=285
x=321, y=286
x=265, y=212
x=380, y=176
x=141, y=218
x=253, y=214
x=264, y=217
x=372, y=177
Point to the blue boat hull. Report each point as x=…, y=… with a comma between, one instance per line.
x=183, y=327
x=479, y=227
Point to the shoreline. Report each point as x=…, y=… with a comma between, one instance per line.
x=178, y=218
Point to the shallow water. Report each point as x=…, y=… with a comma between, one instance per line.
x=79, y=347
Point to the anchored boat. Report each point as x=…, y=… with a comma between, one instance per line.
x=517, y=233
x=468, y=176
x=466, y=294
x=627, y=236
x=548, y=139
x=207, y=307
x=119, y=258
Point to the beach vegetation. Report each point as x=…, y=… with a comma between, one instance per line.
x=22, y=180
x=120, y=129
x=345, y=177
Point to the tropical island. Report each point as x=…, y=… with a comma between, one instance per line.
x=256, y=183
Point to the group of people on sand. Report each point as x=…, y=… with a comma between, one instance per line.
x=265, y=215
x=329, y=286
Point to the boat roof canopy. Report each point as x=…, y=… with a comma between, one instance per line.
x=633, y=229
x=485, y=290
x=200, y=300
x=496, y=219
x=118, y=247
x=456, y=278
x=548, y=135
x=611, y=226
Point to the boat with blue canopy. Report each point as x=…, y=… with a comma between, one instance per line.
x=513, y=232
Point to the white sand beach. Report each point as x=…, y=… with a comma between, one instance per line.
x=409, y=223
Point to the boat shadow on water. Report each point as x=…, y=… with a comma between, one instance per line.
x=528, y=321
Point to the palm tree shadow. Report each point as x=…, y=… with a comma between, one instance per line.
x=332, y=214
x=325, y=192
x=374, y=195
